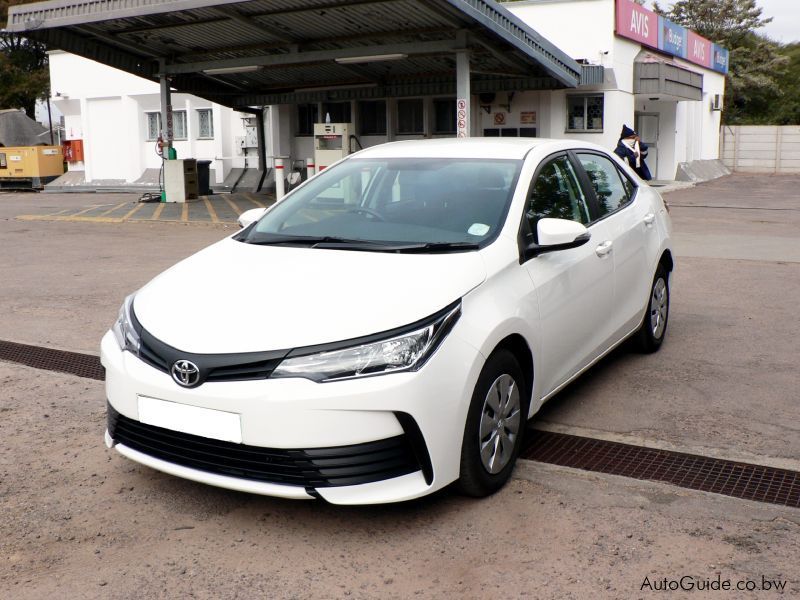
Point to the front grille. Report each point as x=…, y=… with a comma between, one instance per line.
x=243, y=366
x=315, y=467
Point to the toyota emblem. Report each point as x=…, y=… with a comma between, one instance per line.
x=185, y=373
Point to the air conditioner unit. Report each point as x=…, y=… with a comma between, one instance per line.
x=716, y=102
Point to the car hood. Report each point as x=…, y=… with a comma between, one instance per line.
x=237, y=297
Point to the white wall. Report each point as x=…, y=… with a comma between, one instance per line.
x=584, y=29
x=106, y=108
x=761, y=148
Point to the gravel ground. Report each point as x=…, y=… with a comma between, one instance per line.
x=80, y=521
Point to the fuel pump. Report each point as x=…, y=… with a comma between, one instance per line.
x=331, y=143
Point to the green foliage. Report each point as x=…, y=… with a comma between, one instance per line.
x=24, y=75
x=757, y=64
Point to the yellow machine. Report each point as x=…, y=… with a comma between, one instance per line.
x=30, y=166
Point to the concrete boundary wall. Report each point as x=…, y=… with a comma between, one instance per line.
x=761, y=148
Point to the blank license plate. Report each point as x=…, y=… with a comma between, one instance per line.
x=205, y=422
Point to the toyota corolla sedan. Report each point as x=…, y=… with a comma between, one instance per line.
x=389, y=327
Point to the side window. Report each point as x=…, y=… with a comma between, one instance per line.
x=557, y=194
x=606, y=181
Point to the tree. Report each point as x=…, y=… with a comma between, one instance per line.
x=755, y=61
x=24, y=75
x=787, y=112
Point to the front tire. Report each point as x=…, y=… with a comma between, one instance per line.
x=654, y=327
x=495, y=425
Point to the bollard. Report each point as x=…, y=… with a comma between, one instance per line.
x=280, y=184
x=310, y=169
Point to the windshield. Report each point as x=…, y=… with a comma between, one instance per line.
x=395, y=203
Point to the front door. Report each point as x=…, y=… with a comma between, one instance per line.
x=647, y=128
x=575, y=287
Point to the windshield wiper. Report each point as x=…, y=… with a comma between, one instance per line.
x=437, y=247
x=310, y=241
x=336, y=243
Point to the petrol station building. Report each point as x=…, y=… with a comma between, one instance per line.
x=401, y=69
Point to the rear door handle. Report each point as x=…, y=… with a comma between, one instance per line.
x=604, y=248
x=649, y=218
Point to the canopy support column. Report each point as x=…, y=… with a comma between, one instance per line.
x=463, y=97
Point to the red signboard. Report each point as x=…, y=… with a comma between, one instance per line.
x=637, y=23
x=699, y=50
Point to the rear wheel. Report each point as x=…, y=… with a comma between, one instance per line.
x=495, y=424
x=654, y=328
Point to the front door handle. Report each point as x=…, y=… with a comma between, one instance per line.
x=604, y=249
x=649, y=218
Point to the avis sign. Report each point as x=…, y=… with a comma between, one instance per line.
x=637, y=23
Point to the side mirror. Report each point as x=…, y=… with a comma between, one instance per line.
x=557, y=234
x=249, y=217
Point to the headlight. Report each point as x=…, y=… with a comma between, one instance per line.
x=124, y=331
x=399, y=352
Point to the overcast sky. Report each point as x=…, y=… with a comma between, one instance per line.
x=785, y=26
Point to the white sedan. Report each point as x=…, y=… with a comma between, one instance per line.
x=389, y=327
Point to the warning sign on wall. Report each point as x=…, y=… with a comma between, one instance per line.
x=462, y=118
x=527, y=118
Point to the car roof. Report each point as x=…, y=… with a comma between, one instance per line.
x=476, y=147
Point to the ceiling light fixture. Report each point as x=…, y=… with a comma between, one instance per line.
x=229, y=70
x=351, y=60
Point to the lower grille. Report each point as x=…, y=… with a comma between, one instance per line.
x=314, y=467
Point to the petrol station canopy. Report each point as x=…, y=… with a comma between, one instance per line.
x=262, y=52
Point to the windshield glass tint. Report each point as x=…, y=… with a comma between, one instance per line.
x=397, y=201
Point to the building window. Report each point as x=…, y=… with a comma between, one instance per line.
x=585, y=113
x=372, y=117
x=153, y=126
x=306, y=117
x=444, y=116
x=410, y=117
x=339, y=112
x=179, y=131
x=205, y=129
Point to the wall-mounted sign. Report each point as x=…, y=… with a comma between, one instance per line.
x=527, y=118
x=672, y=38
x=500, y=118
x=639, y=24
x=462, y=118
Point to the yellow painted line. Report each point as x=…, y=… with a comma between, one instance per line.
x=211, y=211
x=110, y=210
x=61, y=212
x=235, y=208
x=185, y=212
x=253, y=199
x=157, y=215
x=85, y=210
x=69, y=218
x=132, y=211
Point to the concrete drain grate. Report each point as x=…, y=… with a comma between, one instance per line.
x=74, y=363
x=739, y=480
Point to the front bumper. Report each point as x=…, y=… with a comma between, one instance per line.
x=416, y=419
